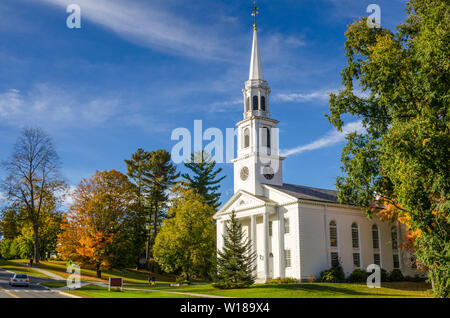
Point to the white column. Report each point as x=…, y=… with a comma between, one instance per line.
x=253, y=239
x=218, y=235
x=266, y=244
x=282, y=269
x=325, y=233
x=223, y=232
x=253, y=231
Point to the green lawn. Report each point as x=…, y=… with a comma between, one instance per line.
x=310, y=290
x=9, y=266
x=129, y=275
x=138, y=279
x=301, y=290
x=92, y=291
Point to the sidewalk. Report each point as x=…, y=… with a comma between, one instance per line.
x=178, y=293
x=42, y=271
x=145, y=290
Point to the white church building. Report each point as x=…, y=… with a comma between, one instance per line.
x=297, y=231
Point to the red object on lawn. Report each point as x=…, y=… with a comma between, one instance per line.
x=115, y=282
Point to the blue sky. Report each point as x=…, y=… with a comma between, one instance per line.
x=136, y=70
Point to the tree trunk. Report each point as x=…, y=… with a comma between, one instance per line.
x=432, y=284
x=147, y=250
x=99, y=272
x=36, y=244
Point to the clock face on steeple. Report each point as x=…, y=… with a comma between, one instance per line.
x=268, y=172
x=244, y=173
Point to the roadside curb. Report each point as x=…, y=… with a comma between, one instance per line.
x=58, y=291
x=67, y=294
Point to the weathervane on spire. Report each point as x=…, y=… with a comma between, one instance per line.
x=254, y=12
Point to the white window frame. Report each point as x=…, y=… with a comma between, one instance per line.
x=287, y=258
x=287, y=226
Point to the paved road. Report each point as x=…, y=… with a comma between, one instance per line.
x=34, y=291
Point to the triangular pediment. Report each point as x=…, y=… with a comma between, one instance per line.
x=243, y=200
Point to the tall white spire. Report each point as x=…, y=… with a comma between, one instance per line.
x=256, y=72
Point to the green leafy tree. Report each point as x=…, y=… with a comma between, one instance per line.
x=129, y=242
x=33, y=178
x=402, y=159
x=153, y=174
x=10, y=221
x=5, y=249
x=236, y=262
x=204, y=177
x=17, y=228
x=186, y=241
x=163, y=176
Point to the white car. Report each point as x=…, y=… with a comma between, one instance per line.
x=20, y=280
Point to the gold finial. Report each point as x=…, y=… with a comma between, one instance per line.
x=254, y=13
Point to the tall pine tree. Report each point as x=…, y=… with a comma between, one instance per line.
x=236, y=261
x=153, y=174
x=204, y=177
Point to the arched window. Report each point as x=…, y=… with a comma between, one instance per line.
x=394, y=238
x=263, y=103
x=375, y=237
x=246, y=138
x=255, y=102
x=355, y=235
x=333, y=234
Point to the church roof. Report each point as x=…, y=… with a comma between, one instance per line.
x=307, y=193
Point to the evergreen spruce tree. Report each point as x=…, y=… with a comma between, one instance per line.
x=236, y=261
x=204, y=177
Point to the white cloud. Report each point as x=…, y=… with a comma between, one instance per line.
x=226, y=106
x=318, y=95
x=2, y=197
x=68, y=197
x=331, y=138
x=10, y=103
x=47, y=104
x=148, y=24
x=322, y=95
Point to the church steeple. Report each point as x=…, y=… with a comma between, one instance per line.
x=258, y=161
x=256, y=91
x=255, y=62
x=256, y=72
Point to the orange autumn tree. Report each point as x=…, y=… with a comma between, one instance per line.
x=101, y=206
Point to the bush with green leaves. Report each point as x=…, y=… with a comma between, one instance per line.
x=396, y=276
x=333, y=275
x=182, y=280
x=357, y=276
x=384, y=275
x=286, y=280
